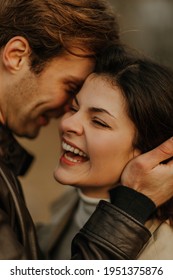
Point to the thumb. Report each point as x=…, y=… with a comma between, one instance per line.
x=159, y=154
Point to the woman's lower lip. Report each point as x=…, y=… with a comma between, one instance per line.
x=66, y=160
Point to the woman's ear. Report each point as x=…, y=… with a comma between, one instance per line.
x=15, y=53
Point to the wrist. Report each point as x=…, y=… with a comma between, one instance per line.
x=132, y=202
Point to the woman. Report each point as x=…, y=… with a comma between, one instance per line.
x=123, y=109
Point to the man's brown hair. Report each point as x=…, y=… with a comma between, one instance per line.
x=52, y=26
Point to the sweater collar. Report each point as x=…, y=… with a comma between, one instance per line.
x=85, y=208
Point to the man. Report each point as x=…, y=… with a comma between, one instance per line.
x=47, y=49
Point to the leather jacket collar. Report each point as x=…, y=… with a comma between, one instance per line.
x=12, y=153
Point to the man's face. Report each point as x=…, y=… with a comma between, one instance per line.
x=31, y=100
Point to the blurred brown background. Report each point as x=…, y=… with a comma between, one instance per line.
x=146, y=25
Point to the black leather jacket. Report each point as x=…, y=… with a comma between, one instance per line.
x=110, y=233
x=17, y=231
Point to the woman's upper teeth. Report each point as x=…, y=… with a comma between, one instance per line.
x=76, y=151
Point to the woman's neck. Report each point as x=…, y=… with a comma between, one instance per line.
x=85, y=208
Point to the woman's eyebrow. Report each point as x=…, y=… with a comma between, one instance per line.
x=100, y=110
x=95, y=109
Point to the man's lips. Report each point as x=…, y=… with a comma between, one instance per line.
x=43, y=120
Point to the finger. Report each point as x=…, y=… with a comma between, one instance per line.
x=161, y=153
x=169, y=162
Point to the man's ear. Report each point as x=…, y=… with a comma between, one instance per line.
x=15, y=53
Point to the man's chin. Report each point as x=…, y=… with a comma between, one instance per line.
x=27, y=134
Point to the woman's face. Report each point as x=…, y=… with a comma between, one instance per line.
x=97, y=137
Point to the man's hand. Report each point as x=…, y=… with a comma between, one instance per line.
x=148, y=175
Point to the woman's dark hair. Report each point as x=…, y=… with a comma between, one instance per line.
x=147, y=87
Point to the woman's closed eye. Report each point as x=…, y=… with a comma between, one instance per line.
x=99, y=122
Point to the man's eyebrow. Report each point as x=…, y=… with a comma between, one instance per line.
x=74, y=80
x=75, y=99
x=100, y=110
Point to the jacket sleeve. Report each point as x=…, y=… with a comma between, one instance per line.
x=116, y=236
x=17, y=233
x=11, y=248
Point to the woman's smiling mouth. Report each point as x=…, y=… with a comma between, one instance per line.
x=72, y=155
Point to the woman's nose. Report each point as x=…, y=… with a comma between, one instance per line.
x=72, y=124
